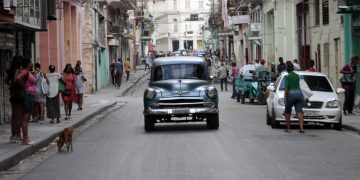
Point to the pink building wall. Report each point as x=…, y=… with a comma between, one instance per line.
x=61, y=43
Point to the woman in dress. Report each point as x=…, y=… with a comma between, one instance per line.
x=40, y=97
x=52, y=99
x=69, y=94
x=27, y=81
x=15, y=98
x=80, y=87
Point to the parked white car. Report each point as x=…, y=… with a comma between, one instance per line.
x=322, y=107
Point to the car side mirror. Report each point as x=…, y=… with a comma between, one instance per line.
x=340, y=90
x=271, y=88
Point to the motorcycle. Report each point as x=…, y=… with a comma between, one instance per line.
x=242, y=86
x=262, y=79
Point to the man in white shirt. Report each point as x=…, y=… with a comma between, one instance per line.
x=247, y=67
x=296, y=65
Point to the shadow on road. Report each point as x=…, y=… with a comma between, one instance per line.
x=181, y=128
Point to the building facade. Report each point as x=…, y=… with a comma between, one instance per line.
x=179, y=24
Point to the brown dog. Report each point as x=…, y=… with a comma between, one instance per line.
x=65, y=138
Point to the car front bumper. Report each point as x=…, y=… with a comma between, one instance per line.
x=324, y=115
x=180, y=111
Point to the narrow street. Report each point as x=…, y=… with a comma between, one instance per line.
x=244, y=147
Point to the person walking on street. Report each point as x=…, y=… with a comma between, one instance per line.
x=223, y=74
x=119, y=72
x=53, y=99
x=80, y=87
x=281, y=66
x=348, y=82
x=16, y=100
x=112, y=72
x=27, y=81
x=296, y=65
x=312, y=64
x=41, y=91
x=127, y=68
x=234, y=74
x=293, y=97
x=69, y=94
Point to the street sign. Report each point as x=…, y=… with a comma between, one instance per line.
x=241, y=19
x=256, y=27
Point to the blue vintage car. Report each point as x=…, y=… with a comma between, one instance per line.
x=180, y=91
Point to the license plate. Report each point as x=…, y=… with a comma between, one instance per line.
x=311, y=113
x=180, y=111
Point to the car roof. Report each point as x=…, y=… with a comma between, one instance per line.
x=305, y=73
x=178, y=60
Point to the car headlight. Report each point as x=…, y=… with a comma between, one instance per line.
x=211, y=92
x=150, y=93
x=281, y=101
x=333, y=104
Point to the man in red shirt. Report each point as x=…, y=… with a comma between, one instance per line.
x=348, y=82
x=312, y=64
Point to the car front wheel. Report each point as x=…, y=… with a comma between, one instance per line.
x=149, y=123
x=274, y=123
x=337, y=126
x=212, y=121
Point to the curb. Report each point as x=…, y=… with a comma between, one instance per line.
x=351, y=128
x=134, y=84
x=15, y=157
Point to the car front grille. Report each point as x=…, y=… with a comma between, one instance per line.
x=314, y=105
x=178, y=103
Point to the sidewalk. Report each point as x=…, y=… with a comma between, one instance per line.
x=352, y=122
x=43, y=134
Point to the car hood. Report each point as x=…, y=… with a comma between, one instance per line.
x=180, y=87
x=318, y=96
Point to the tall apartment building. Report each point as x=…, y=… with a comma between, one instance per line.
x=179, y=23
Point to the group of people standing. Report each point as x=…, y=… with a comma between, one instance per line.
x=31, y=90
x=117, y=71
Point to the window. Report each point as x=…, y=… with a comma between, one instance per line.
x=175, y=4
x=315, y=83
x=179, y=71
x=175, y=27
x=187, y=4
x=201, y=4
x=194, y=17
x=317, y=12
x=325, y=13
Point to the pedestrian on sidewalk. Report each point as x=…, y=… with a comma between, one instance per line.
x=119, y=72
x=16, y=94
x=127, y=68
x=223, y=74
x=78, y=64
x=348, y=82
x=312, y=64
x=296, y=65
x=293, y=97
x=281, y=66
x=42, y=89
x=80, y=87
x=69, y=94
x=52, y=99
x=27, y=81
x=112, y=72
x=234, y=74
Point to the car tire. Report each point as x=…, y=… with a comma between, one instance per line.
x=338, y=126
x=149, y=123
x=238, y=97
x=212, y=121
x=268, y=118
x=242, y=99
x=274, y=124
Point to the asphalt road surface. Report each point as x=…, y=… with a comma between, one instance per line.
x=244, y=147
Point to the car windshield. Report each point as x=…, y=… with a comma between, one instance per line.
x=179, y=71
x=315, y=83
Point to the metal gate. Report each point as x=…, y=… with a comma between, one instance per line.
x=5, y=106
